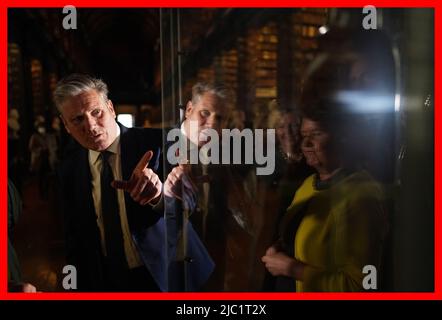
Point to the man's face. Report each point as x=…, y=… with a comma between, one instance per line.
x=208, y=112
x=90, y=120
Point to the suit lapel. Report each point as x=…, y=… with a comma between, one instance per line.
x=82, y=181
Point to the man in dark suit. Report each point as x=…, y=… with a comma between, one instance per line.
x=115, y=238
x=201, y=190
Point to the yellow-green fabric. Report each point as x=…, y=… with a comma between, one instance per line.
x=341, y=232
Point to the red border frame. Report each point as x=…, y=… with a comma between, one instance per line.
x=436, y=295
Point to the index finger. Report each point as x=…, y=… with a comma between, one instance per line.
x=144, y=162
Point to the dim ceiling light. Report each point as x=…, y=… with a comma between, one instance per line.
x=323, y=29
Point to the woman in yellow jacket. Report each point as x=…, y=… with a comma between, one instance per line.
x=342, y=222
x=333, y=232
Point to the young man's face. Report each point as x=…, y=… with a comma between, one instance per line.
x=208, y=112
x=90, y=120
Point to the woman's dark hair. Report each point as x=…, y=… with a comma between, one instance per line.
x=349, y=91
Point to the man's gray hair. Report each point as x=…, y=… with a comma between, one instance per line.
x=76, y=84
x=221, y=91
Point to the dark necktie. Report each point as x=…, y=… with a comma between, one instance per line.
x=116, y=258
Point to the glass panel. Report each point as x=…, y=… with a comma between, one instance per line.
x=330, y=94
x=295, y=148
